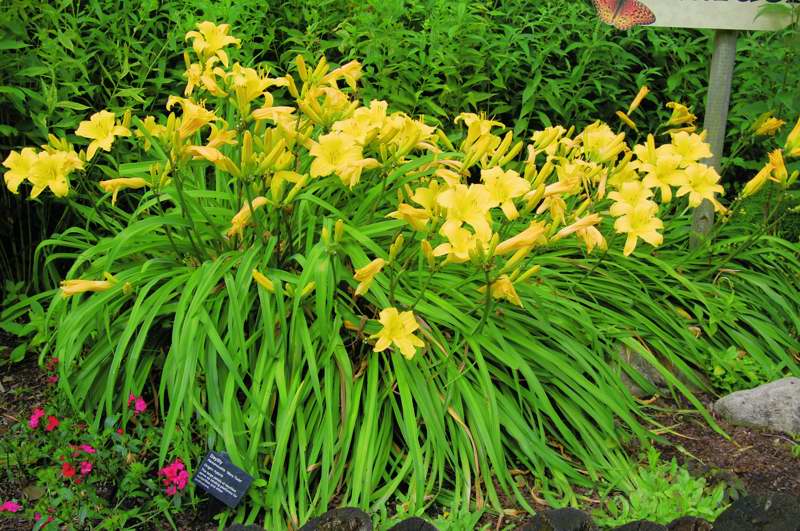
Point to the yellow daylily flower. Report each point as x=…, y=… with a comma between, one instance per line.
x=792, y=146
x=503, y=288
x=622, y=176
x=756, y=183
x=214, y=156
x=153, y=128
x=592, y=238
x=398, y=330
x=263, y=281
x=629, y=197
x=243, y=217
x=350, y=72
x=365, y=275
x=779, y=172
x=19, y=166
x=665, y=174
x=680, y=114
x=416, y=217
x=221, y=136
x=247, y=85
x=767, y=126
x=101, y=128
x=555, y=206
x=340, y=154
x=642, y=94
x=601, y=144
x=504, y=187
x=578, y=225
x=702, y=182
x=640, y=223
x=194, y=116
x=467, y=204
x=530, y=237
x=75, y=287
x=548, y=138
x=366, y=122
x=461, y=243
x=691, y=147
x=210, y=39
x=51, y=170
x=204, y=76
x=123, y=183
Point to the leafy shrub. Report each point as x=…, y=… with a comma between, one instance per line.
x=354, y=305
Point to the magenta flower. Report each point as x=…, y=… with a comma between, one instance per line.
x=88, y=449
x=139, y=406
x=86, y=467
x=52, y=423
x=36, y=416
x=52, y=379
x=175, y=477
x=10, y=506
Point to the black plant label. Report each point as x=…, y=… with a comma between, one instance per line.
x=222, y=479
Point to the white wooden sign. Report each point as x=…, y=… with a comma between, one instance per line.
x=712, y=14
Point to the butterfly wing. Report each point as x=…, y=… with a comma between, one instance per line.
x=633, y=13
x=606, y=10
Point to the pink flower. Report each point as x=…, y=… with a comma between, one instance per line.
x=10, y=506
x=175, y=477
x=37, y=414
x=139, y=406
x=52, y=379
x=67, y=470
x=119, y=431
x=86, y=467
x=38, y=517
x=52, y=423
x=88, y=449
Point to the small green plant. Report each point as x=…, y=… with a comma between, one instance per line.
x=660, y=492
x=733, y=369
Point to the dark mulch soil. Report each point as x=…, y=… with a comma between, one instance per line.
x=755, y=461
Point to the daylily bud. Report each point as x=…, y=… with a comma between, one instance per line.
x=515, y=259
x=543, y=174
x=394, y=249
x=263, y=281
x=308, y=289
x=338, y=231
x=515, y=149
x=301, y=67
x=427, y=252
x=326, y=235
x=529, y=273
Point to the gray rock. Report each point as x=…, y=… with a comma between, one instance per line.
x=772, y=406
x=561, y=520
x=776, y=512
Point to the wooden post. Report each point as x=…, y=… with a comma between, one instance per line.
x=715, y=121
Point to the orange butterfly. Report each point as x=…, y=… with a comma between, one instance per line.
x=624, y=14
